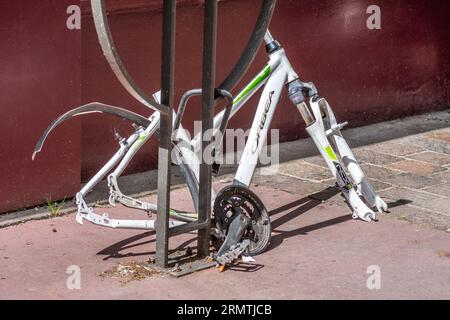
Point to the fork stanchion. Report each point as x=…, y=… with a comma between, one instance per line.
x=165, y=140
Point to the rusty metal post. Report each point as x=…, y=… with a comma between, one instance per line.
x=208, y=89
x=165, y=137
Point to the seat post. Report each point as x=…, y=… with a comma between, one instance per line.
x=268, y=37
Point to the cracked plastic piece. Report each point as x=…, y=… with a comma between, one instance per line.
x=91, y=108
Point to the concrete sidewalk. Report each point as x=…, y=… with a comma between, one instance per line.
x=411, y=173
x=317, y=250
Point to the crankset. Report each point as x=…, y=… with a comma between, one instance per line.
x=241, y=218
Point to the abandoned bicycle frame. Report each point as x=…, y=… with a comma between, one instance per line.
x=251, y=231
x=274, y=77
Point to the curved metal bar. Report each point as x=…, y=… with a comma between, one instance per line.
x=91, y=108
x=114, y=60
x=182, y=107
x=226, y=116
x=198, y=92
x=264, y=18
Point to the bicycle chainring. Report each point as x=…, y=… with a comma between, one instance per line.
x=234, y=200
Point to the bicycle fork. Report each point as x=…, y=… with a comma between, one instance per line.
x=324, y=130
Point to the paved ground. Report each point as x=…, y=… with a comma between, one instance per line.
x=317, y=251
x=411, y=173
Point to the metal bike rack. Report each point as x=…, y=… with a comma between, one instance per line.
x=164, y=113
x=165, y=137
x=209, y=99
x=163, y=233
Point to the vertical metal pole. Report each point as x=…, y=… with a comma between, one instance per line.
x=165, y=146
x=208, y=86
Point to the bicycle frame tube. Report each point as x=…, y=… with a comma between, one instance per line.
x=274, y=76
x=249, y=90
x=261, y=122
x=241, y=98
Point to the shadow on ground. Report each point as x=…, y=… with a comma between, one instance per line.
x=299, y=207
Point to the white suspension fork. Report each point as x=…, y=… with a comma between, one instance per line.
x=363, y=186
x=317, y=132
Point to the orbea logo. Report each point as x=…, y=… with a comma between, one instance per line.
x=262, y=122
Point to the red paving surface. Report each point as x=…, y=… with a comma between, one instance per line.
x=317, y=252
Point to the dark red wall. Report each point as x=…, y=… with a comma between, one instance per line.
x=39, y=80
x=367, y=75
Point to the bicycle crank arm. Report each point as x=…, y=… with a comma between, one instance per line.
x=235, y=232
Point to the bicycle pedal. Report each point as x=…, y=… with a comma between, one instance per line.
x=234, y=253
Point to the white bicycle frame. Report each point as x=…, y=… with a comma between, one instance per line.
x=321, y=126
